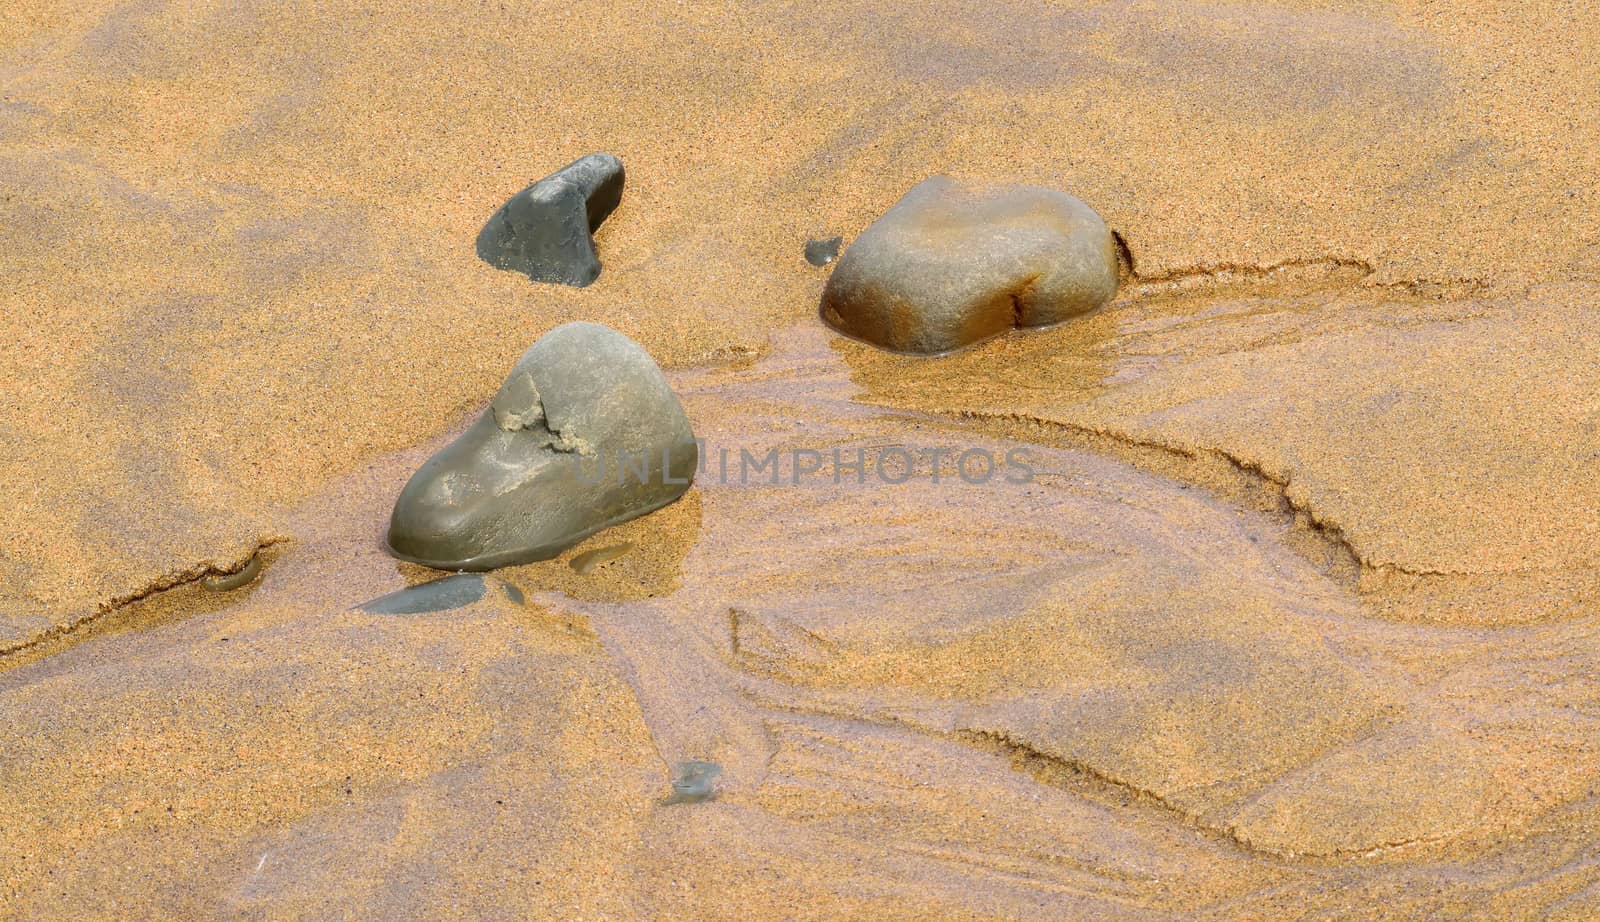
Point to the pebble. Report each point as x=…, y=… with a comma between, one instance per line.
x=694, y=782
x=444, y=594
x=953, y=264
x=823, y=252
x=590, y=560
x=227, y=582
x=546, y=230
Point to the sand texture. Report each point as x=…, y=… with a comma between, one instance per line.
x=1298, y=617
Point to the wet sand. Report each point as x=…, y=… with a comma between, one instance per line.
x=1297, y=616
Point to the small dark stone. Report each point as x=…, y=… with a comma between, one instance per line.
x=822, y=252
x=439, y=595
x=545, y=231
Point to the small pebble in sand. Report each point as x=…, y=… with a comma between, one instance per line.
x=822, y=252
x=590, y=560
x=585, y=434
x=694, y=782
x=954, y=264
x=227, y=582
x=545, y=231
x=444, y=594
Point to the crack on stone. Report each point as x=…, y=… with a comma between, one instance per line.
x=518, y=404
x=564, y=441
x=519, y=407
x=1017, y=296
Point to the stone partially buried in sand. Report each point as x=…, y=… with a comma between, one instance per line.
x=584, y=434
x=821, y=251
x=694, y=782
x=445, y=594
x=953, y=264
x=545, y=231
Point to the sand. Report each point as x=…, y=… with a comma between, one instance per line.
x=1296, y=618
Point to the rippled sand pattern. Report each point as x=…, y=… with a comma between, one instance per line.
x=1297, y=616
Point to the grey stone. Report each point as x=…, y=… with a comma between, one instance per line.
x=694, y=782
x=584, y=434
x=954, y=264
x=445, y=594
x=545, y=231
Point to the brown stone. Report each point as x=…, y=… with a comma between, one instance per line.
x=954, y=264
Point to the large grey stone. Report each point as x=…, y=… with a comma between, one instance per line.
x=954, y=264
x=546, y=229
x=584, y=434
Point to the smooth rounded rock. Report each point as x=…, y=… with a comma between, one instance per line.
x=584, y=434
x=953, y=264
x=546, y=230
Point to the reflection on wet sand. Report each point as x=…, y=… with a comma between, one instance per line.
x=1110, y=689
x=1434, y=446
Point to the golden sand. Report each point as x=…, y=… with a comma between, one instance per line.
x=1298, y=616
